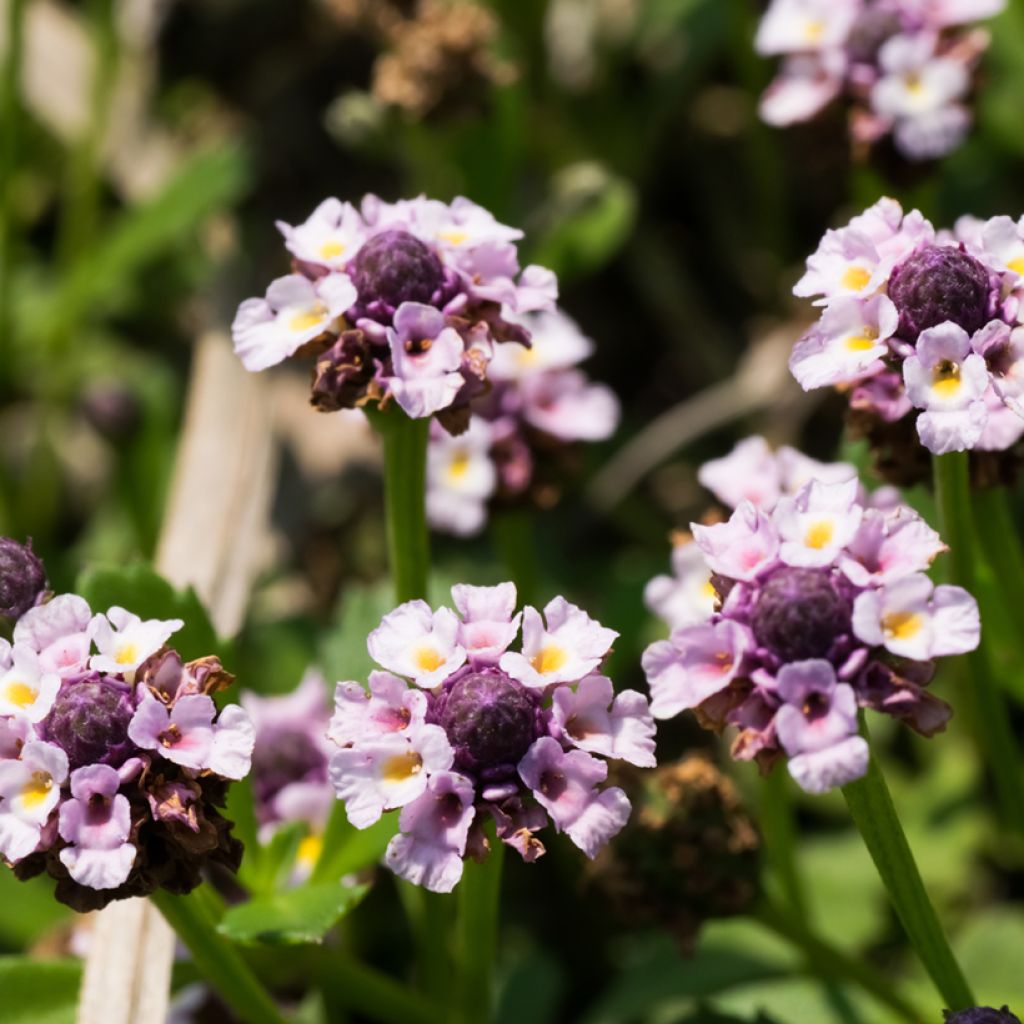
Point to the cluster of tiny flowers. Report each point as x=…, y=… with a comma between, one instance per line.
x=458, y=731
x=539, y=403
x=916, y=321
x=404, y=301
x=751, y=472
x=113, y=757
x=289, y=765
x=905, y=67
x=818, y=604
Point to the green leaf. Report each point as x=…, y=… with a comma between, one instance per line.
x=146, y=594
x=29, y=910
x=38, y=991
x=344, y=654
x=301, y=915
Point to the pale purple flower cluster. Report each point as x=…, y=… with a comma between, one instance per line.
x=751, y=472
x=820, y=605
x=459, y=730
x=399, y=301
x=113, y=756
x=289, y=764
x=539, y=403
x=904, y=66
x=921, y=322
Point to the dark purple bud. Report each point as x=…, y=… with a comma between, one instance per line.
x=939, y=283
x=799, y=614
x=90, y=720
x=981, y=1015
x=395, y=267
x=22, y=578
x=490, y=719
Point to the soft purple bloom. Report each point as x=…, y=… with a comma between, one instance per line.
x=233, y=740
x=417, y=642
x=97, y=824
x=125, y=641
x=29, y=791
x=182, y=733
x=461, y=476
x=817, y=727
x=489, y=620
x=389, y=707
x=58, y=632
x=805, y=25
x=806, y=84
x=434, y=827
x=593, y=718
x=27, y=688
x=565, y=784
x=741, y=548
x=687, y=597
x=427, y=356
x=818, y=522
x=888, y=546
x=566, y=644
x=328, y=238
x=566, y=405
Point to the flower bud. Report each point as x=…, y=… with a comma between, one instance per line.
x=490, y=719
x=981, y=1015
x=395, y=267
x=799, y=614
x=22, y=578
x=90, y=720
x=939, y=283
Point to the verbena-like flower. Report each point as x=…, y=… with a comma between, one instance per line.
x=539, y=405
x=903, y=67
x=920, y=323
x=289, y=764
x=457, y=730
x=818, y=605
x=404, y=302
x=113, y=757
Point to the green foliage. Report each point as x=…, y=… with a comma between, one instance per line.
x=38, y=991
x=292, y=916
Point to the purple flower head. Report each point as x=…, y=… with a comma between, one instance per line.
x=837, y=616
x=466, y=730
x=22, y=578
x=981, y=1015
x=99, y=763
x=939, y=313
x=89, y=720
x=800, y=613
x=940, y=283
x=403, y=301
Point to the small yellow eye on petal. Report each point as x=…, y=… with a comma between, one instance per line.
x=126, y=654
x=453, y=236
x=20, y=694
x=819, y=534
x=36, y=789
x=855, y=278
x=459, y=466
x=861, y=342
x=1017, y=265
x=813, y=31
x=549, y=659
x=427, y=659
x=332, y=249
x=401, y=767
x=902, y=625
x=308, y=319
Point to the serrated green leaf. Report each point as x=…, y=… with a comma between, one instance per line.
x=295, y=916
x=38, y=991
x=145, y=593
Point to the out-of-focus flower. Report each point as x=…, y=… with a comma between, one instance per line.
x=22, y=578
x=113, y=764
x=539, y=405
x=484, y=733
x=981, y=1015
x=398, y=301
x=920, y=322
x=904, y=67
x=821, y=607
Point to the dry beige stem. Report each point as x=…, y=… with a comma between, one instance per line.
x=215, y=528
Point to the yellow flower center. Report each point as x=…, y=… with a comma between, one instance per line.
x=902, y=625
x=549, y=659
x=855, y=278
x=402, y=767
x=459, y=466
x=1017, y=265
x=819, y=534
x=946, y=379
x=708, y=591
x=332, y=249
x=36, y=789
x=453, y=236
x=20, y=694
x=308, y=319
x=126, y=654
x=913, y=83
x=428, y=659
x=862, y=342
x=309, y=849
x=813, y=31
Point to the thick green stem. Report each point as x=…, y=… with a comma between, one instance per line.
x=985, y=702
x=513, y=542
x=479, y=900
x=875, y=816
x=405, y=493
x=828, y=962
x=776, y=820
x=194, y=920
x=429, y=916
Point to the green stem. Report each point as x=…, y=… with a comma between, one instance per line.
x=194, y=920
x=828, y=962
x=513, y=542
x=405, y=493
x=1000, y=540
x=776, y=820
x=984, y=699
x=429, y=916
x=875, y=816
x=479, y=901
x=10, y=118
